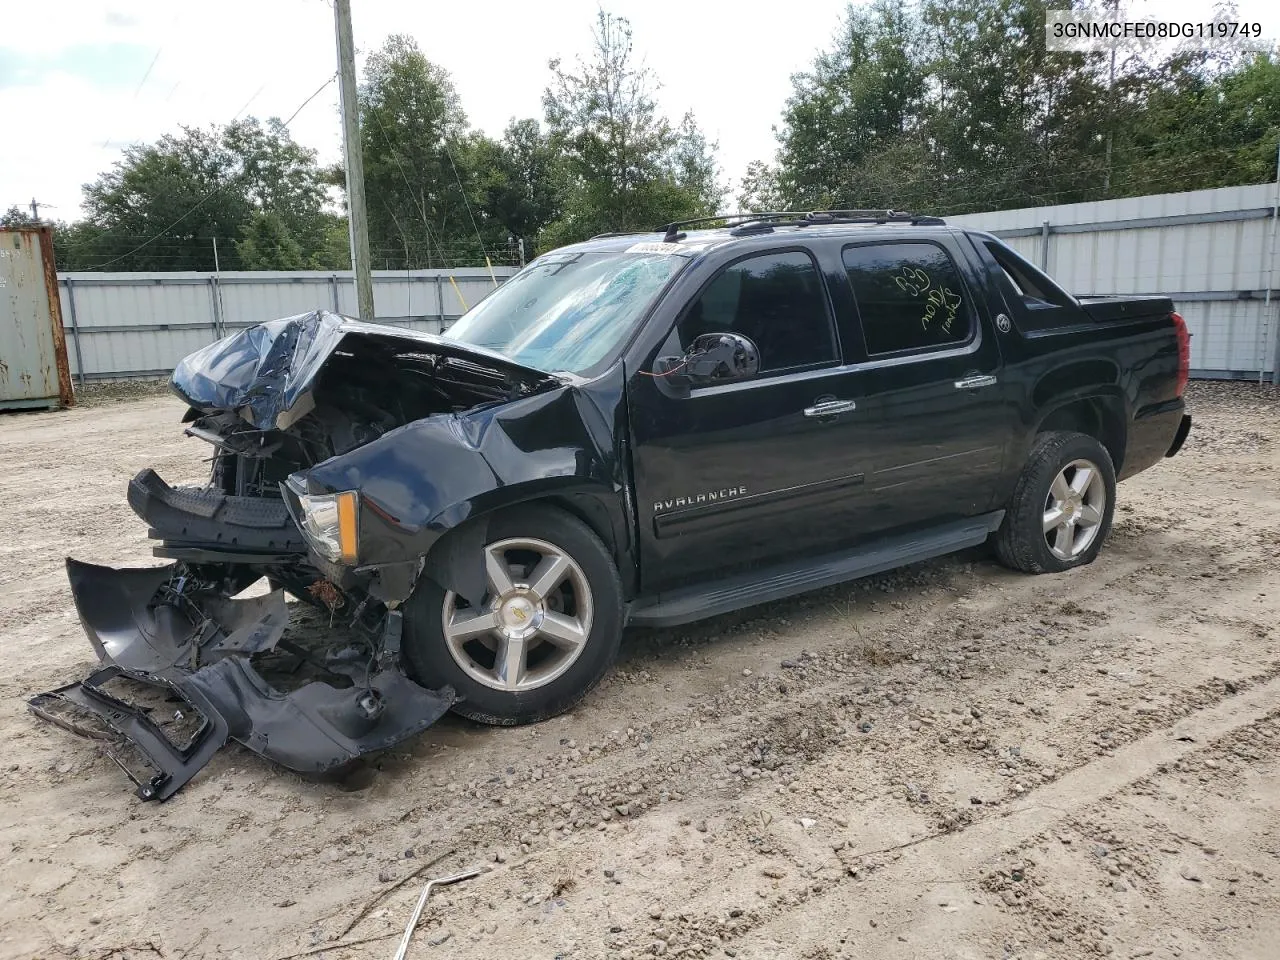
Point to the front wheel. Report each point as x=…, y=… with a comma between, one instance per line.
x=547, y=628
x=1061, y=507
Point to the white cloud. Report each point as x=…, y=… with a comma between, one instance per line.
x=730, y=62
x=730, y=66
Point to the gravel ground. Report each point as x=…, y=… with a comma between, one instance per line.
x=949, y=761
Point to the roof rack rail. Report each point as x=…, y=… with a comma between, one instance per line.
x=620, y=233
x=671, y=229
x=873, y=216
x=802, y=218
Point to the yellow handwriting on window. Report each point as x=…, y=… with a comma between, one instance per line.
x=939, y=301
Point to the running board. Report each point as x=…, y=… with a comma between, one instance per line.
x=762, y=586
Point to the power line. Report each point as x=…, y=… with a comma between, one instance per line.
x=150, y=67
x=445, y=142
x=319, y=89
x=208, y=196
x=421, y=208
x=248, y=102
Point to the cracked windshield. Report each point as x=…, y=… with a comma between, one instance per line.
x=568, y=311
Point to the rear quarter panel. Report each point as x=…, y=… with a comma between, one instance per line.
x=1128, y=365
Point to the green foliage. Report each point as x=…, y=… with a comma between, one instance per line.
x=17, y=217
x=956, y=106
x=940, y=105
x=518, y=180
x=267, y=244
x=161, y=206
x=411, y=124
x=625, y=166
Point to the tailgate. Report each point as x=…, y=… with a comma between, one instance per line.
x=1104, y=309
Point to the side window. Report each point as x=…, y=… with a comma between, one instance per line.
x=777, y=301
x=909, y=295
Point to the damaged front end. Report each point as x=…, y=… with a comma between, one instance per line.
x=189, y=660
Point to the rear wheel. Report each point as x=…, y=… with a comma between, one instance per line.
x=1062, y=506
x=545, y=631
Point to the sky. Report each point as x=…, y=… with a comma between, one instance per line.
x=81, y=79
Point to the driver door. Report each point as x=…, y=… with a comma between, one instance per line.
x=741, y=473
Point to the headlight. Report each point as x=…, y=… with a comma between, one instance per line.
x=329, y=523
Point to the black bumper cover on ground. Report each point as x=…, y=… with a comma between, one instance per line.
x=196, y=652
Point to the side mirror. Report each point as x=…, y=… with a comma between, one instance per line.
x=713, y=358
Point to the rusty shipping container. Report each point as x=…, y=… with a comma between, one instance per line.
x=33, y=350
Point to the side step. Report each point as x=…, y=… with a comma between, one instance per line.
x=762, y=586
x=191, y=516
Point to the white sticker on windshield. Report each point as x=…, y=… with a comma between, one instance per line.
x=657, y=247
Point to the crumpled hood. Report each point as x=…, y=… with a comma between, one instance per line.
x=265, y=371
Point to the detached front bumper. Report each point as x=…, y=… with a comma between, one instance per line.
x=177, y=681
x=206, y=525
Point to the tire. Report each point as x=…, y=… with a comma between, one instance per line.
x=1025, y=540
x=556, y=671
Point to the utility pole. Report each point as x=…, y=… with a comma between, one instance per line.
x=1111, y=126
x=357, y=216
x=1269, y=275
x=217, y=291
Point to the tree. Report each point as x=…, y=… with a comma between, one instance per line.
x=161, y=206
x=759, y=189
x=280, y=178
x=267, y=244
x=864, y=94
x=691, y=163
x=954, y=106
x=15, y=216
x=625, y=166
x=518, y=180
x=412, y=131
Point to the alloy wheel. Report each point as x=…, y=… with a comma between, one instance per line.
x=533, y=622
x=1074, y=509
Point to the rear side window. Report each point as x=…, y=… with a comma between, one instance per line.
x=1031, y=286
x=777, y=301
x=909, y=295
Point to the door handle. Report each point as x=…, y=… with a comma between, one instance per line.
x=829, y=408
x=973, y=383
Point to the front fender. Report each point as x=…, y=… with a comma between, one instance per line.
x=428, y=477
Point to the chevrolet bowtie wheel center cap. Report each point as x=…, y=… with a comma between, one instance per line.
x=520, y=615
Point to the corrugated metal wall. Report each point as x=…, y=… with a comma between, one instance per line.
x=1213, y=251
x=1208, y=249
x=142, y=324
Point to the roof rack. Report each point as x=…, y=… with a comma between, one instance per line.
x=750, y=222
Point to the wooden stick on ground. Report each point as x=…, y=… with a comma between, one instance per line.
x=383, y=894
x=338, y=945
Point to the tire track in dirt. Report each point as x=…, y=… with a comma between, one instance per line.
x=826, y=729
x=1173, y=611
x=964, y=852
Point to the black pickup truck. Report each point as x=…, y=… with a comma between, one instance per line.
x=639, y=429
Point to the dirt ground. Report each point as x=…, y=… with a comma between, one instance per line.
x=952, y=761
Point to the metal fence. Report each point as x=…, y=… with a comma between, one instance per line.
x=1213, y=251
x=141, y=324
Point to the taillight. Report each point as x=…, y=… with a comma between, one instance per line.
x=1184, y=351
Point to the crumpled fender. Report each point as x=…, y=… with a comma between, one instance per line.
x=428, y=477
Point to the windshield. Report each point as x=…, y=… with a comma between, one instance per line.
x=568, y=311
